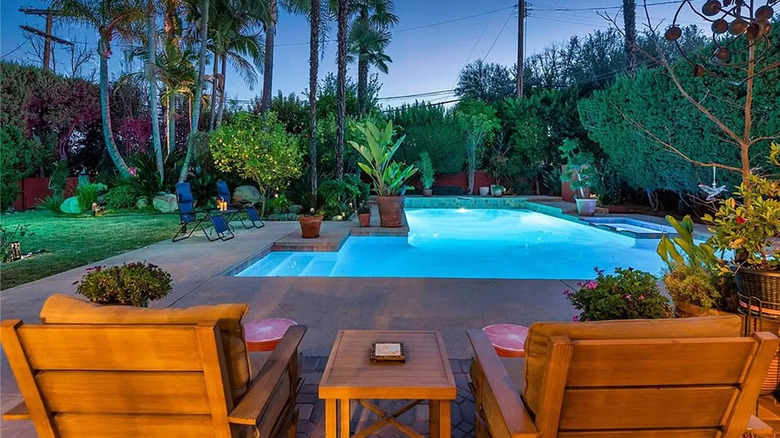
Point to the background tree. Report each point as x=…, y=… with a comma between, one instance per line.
x=478, y=123
x=629, y=28
x=111, y=18
x=488, y=82
x=369, y=36
x=151, y=76
x=341, y=114
x=314, y=45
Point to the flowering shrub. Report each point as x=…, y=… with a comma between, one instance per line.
x=629, y=294
x=749, y=222
x=132, y=284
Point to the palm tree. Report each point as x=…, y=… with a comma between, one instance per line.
x=111, y=18
x=176, y=71
x=341, y=91
x=271, y=18
x=369, y=37
x=151, y=75
x=367, y=44
x=314, y=45
x=203, y=20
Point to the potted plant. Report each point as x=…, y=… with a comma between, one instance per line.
x=364, y=215
x=388, y=176
x=748, y=224
x=310, y=224
x=497, y=190
x=629, y=294
x=132, y=284
x=426, y=173
x=693, y=277
x=578, y=173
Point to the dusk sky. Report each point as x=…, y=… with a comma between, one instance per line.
x=432, y=42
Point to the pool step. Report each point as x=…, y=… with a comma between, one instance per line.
x=293, y=265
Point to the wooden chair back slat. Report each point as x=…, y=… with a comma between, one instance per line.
x=645, y=408
x=107, y=347
x=147, y=426
x=120, y=392
x=682, y=362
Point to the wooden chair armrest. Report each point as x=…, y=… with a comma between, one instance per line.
x=757, y=427
x=503, y=409
x=18, y=412
x=253, y=404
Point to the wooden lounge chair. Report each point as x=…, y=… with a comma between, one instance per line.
x=648, y=379
x=119, y=374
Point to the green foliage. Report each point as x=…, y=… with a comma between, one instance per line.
x=52, y=203
x=19, y=234
x=121, y=197
x=133, y=284
x=146, y=181
x=552, y=181
x=479, y=122
x=580, y=171
x=692, y=269
x=488, y=82
x=279, y=204
x=426, y=170
x=629, y=294
x=292, y=112
x=58, y=178
x=341, y=198
x=257, y=147
x=87, y=194
x=388, y=176
x=432, y=129
x=281, y=217
x=18, y=159
x=749, y=223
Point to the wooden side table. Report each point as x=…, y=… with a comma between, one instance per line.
x=351, y=375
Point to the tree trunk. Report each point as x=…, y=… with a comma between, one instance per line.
x=151, y=54
x=268, y=67
x=105, y=110
x=341, y=95
x=204, y=29
x=362, y=90
x=171, y=117
x=629, y=22
x=222, y=86
x=214, y=93
x=314, y=45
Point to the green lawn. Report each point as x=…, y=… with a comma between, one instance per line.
x=75, y=241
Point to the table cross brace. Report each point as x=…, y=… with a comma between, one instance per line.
x=387, y=418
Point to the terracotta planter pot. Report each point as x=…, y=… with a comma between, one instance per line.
x=310, y=226
x=365, y=219
x=391, y=211
x=427, y=192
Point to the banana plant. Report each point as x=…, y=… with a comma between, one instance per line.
x=683, y=250
x=388, y=176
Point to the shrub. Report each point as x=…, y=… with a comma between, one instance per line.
x=426, y=170
x=87, y=194
x=279, y=204
x=692, y=284
x=281, y=217
x=629, y=294
x=52, y=203
x=431, y=129
x=17, y=160
x=121, y=197
x=146, y=181
x=132, y=284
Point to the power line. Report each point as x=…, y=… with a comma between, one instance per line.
x=603, y=8
x=497, y=36
x=17, y=47
x=425, y=94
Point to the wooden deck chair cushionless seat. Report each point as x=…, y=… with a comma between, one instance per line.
x=693, y=377
x=119, y=371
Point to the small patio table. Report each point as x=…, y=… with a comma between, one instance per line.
x=507, y=339
x=351, y=375
x=265, y=334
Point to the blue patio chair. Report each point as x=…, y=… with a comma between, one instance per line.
x=193, y=220
x=236, y=209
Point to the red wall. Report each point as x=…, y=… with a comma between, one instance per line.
x=33, y=190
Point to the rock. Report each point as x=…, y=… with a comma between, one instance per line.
x=296, y=209
x=337, y=218
x=165, y=203
x=71, y=206
x=246, y=194
x=141, y=203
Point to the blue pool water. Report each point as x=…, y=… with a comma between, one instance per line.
x=449, y=243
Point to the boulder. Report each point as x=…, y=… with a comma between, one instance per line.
x=71, y=206
x=246, y=195
x=165, y=203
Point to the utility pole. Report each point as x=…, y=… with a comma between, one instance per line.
x=46, y=35
x=520, y=43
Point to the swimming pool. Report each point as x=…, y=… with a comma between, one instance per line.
x=460, y=243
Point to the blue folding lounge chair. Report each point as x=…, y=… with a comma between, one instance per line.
x=190, y=222
x=235, y=209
